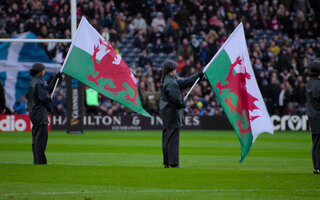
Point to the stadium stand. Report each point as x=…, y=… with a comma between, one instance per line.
x=282, y=37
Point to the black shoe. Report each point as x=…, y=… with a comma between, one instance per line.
x=40, y=163
x=175, y=166
x=316, y=171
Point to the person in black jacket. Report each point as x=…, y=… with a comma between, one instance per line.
x=2, y=99
x=313, y=111
x=39, y=104
x=171, y=110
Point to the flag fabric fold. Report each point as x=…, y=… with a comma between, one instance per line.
x=95, y=63
x=231, y=75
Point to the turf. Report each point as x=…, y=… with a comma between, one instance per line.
x=128, y=165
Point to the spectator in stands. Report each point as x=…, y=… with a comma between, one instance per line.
x=301, y=5
x=58, y=104
x=12, y=26
x=105, y=34
x=170, y=46
x=114, y=36
x=275, y=24
x=284, y=60
x=144, y=61
x=195, y=43
x=155, y=34
x=183, y=17
x=172, y=28
x=181, y=64
x=185, y=49
x=140, y=39
x=212, y=47
x=20, y=106
x=120, y=25
x=299, y=93
x=187, y=69
x=273, y=94
x=274, y=48
x=139, y=23
x=200, y=110
x=159, y=22
x=159, y=47
x=3, y=33
x=285, y=96
x=204, y=53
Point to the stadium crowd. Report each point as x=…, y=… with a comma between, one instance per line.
x=282, y=37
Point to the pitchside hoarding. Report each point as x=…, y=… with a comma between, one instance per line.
x=117, y=122
x=9, y=123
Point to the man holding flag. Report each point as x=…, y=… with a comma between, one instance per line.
x=313, y=111
x=2, y=99
x=94, y=62
x=232, y=78
x=171, y=110
x=39, y=104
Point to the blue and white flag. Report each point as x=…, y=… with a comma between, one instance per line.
x=16, y=59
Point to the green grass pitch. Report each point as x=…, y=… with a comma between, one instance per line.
x=128, y=165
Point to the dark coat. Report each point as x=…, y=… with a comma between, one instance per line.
x=39, y=101
x=313, y=104
x=171, y=101
x=2, y=98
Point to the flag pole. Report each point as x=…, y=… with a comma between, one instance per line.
x=191, y=89
x=73, y=36
x=54, y=89
x=206, y=67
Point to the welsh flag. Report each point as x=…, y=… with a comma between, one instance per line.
x=94, y=62
x=231, y=75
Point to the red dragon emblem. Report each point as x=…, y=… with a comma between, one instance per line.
x=237, y=85
x=113, y=67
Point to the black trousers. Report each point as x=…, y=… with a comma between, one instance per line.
x=39, y=143
x=170, y=146
x=316, y=151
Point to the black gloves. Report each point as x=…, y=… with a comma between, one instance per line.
x=200, y=76
x=59, y=75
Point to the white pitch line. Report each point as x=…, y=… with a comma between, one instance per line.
x=91, y=164
x=134, y=190
x=51, y=193
x=80, y=164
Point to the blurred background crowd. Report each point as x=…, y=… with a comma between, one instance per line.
x=282, y=37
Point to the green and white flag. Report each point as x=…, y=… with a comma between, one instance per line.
x=94, y=62
x=231, y=75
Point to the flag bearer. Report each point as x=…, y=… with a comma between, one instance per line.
x=2, y=99
x=313, y=111
x=39, y=104
x=171, y=110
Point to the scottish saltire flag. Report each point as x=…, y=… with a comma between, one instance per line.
x=94, y=62
x=231, y=75
x=16, y=60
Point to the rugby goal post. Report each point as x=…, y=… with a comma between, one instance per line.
x=74, y=125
